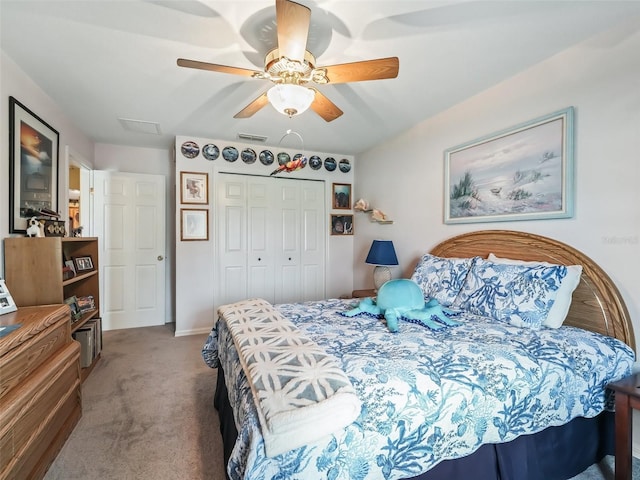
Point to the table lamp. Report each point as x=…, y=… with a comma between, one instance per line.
x=381, y=254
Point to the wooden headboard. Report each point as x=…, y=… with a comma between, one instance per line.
x=597, y=304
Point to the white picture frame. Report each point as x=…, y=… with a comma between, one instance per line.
x=7, y=305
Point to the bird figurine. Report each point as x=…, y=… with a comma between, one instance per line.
x=291, y=165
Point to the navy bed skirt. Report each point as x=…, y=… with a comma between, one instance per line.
x=557, y=453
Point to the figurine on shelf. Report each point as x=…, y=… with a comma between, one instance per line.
x=376, y=215
x=362, y=206
x=34, y=228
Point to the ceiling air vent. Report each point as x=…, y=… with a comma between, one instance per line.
x=140, y=126
x=252, y=138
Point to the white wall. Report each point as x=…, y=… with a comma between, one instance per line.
x=155, y=162
x=195, y=263
x=601, y=79
x=14, y=82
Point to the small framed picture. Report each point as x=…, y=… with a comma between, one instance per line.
x=194, y=224
x=71, y=265
x=73, y=306
x=83, y=264
x=342, y=196
x=7, y=304
x=194, y=188
x=341, y=224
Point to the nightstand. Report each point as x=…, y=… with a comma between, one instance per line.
x=363, y=293
x=627, y=393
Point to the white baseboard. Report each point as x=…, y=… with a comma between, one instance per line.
x=196, y=331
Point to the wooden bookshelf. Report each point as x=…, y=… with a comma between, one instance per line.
x=33, y=274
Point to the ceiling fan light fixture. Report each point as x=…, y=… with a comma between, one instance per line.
x=290, y=99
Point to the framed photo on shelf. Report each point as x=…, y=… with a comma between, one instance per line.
x=83, y=264
x=341, y=224
x=73, y=306
x=341, y=196
x=7, y=304
x=194, y=224
x=194, y=188
x=521, y=173
x=33, y=166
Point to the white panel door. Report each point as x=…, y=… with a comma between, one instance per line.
x=260, y=254
x=130, y=223
x=287, y=234
x=231, y=221
x=312, y=245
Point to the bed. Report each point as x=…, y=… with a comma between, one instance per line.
x=490, y=398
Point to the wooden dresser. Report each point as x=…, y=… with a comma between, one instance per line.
x=40, y=401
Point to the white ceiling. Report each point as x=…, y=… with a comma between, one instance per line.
x=105, y=60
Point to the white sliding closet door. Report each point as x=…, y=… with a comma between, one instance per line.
x=271, y=239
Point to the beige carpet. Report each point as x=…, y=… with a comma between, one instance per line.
x=147, y=413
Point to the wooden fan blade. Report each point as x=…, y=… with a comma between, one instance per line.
x=293, y=28
x=253, y=107
x=182, y=62
x=367, y=70
x=325, y=107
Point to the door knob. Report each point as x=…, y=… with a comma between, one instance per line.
x=160, y=258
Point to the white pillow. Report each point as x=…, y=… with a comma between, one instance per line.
x=560, y=307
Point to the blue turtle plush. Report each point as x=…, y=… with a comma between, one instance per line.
x=403, y=298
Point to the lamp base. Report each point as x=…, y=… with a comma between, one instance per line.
x=381, y=275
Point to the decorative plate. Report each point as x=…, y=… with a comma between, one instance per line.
x=248, y=155
x=315, y=162
x=330, y=163
x=210, y=151
x=230, y=154
x=344, y=165
x=283, y=157
x=266, y=157
x=190, y=149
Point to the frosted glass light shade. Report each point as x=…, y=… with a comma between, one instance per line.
x=290, y=99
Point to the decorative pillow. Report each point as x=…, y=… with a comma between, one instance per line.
x=560, y=307
x=519, y=294
x=441, y=278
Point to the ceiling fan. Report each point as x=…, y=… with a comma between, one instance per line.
x=291, y=67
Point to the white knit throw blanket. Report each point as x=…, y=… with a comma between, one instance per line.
x=301, y=392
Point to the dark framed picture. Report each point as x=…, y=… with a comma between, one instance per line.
x=341, y=224
x=194, y=188
x=521, y=173
x=33, y=166
x=83, y=264
x=194, y=224
x=341, y=196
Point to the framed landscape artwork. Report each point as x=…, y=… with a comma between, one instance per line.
x=33, y=166
x=521, y=173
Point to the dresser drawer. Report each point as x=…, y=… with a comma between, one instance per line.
x=19, y=363
x=31, y=414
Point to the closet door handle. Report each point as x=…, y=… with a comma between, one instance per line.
x=259, y=259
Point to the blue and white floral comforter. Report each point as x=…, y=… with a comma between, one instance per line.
x=427, y=395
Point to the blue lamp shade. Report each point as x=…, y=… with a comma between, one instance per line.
x=382, y=253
